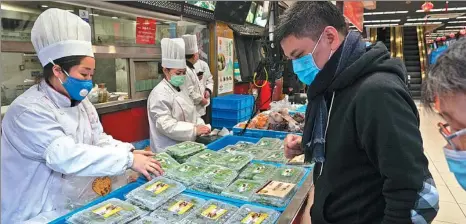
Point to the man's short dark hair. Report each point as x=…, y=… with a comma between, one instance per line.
x=308, y=19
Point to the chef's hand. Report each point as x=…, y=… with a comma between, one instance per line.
x=202, y=130
x=144, y=163
x=204, y=102
x=207, y=94
x=293, y=146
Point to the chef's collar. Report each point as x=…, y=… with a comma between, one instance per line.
x=60, y=100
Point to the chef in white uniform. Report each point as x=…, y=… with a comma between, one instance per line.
x=172, y=115
x=51, y=133
x=194, y=86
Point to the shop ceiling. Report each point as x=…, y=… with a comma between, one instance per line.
x=409, y=13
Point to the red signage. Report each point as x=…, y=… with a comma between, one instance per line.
x=145, y=31
x=354, y=12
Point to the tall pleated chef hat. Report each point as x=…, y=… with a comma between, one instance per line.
x=173, y=55
x=191, y=44
x=58, y=33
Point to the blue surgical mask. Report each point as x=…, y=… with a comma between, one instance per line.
x=457, y=163
x=76, y=88
x=305, y=67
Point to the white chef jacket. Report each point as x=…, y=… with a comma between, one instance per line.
x=207, y=82
x=195, y=88
x=172, y=117
x=46, y=145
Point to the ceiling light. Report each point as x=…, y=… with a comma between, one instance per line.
x=44, y=6
x=392, y=12
x=372, y=21
x=461, y=17
x=455, y=27
x=114, y=17
x=443, y=9
x=368, y=13
x=457, y=21
x=94, y=14
x=400, y=12
x=382, y=25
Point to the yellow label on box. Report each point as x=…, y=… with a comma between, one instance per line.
x=212, y=212
x=107, y=210
x=181, y=207
x=254, y=218
x=158, y=187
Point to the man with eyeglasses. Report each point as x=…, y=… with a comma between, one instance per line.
x=446, y=87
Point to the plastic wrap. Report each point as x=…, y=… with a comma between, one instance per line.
x=167, y=162
x=110, y=211
x=182, y=151
x=257, y=171
x=242, y=146
x=186, y=173
x=234, y=161
x=149, y=220
x=154, y=193
x=204, y=157
x=215, y=178
x=249, y=214
x=178, y=208
x=289, y=174
x=243, y=189
x=275, y=193
x=270, y=143
x=213, y=212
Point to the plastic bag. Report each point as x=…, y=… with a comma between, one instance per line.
x=93, y=95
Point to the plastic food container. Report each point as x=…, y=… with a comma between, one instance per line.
x=242, y=146
x=243, y=189
x=184, y=150
x=276, y=156
x=234, y=161
x=149, y=220
x=275, y=193
x=186, y=173
x=166, y=161
x=289, y=174
x=215, y=178
x=154, y=193
x=213, y=212
x=270, y=143
x=178, y=208
x=110, y=211
x=254, y=214
x=204, y=157
x=257, y=171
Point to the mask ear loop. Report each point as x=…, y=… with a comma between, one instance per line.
x=66, y=73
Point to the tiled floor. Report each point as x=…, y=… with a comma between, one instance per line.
x=452, y=196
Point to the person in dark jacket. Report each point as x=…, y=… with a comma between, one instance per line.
x=362, y=126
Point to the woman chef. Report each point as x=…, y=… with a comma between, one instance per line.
x=52, y=130
x=172, y=114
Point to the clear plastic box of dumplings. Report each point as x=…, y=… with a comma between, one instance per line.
x=275, y=193
x=149, y=220
x=155, y=192
x=242, y=146
x=213, y=212
x=184, y=150
x=205, y=157
x=186, y=173
x=242, y=189
x=111, y=211
x=276, y=157
x=290, y=174
x=253, y=214
x=234, y=161
x=257, y=171
x=270, y=143
x=214, y=179
x=167, y=162
x=178, y=208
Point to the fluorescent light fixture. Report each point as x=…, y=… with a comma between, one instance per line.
x=383, y=21
x=455, y=27
x=461, y=17
x=372, y=21
x=428, y=23
x=94, y=14
x=428, y=19
x=443, y=9
x=461, y=21
x=114, y=17
x=391, y=12
x=401, y=12
x=44, y=6
x=382, y=25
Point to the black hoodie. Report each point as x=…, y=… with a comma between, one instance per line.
x=375, y=167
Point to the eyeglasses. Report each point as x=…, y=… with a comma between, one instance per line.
x=446, y=133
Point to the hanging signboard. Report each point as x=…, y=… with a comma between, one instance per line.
x=354, y=12
x=145, y=31
x=225, y=65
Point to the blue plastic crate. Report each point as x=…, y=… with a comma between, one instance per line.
x=227, y=123
x=258, y=133
x=233, y=102
x=232, y=114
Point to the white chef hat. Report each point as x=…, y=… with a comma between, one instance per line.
x=58, y=33
x=191, y=44
x=173, y=55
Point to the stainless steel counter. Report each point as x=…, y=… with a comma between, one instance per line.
x=115, y=106
x=297, y=203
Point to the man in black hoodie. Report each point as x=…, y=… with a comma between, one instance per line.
x=362, y=126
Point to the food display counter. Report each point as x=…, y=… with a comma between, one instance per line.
x=291, y=212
